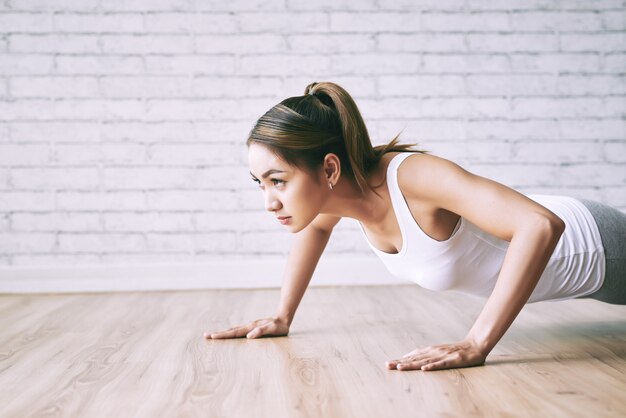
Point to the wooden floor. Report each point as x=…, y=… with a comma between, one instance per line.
x=143, y=355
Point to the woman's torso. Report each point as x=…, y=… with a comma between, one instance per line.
x=440, y=250
x=386, y=236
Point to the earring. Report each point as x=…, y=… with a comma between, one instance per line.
x=330, y=185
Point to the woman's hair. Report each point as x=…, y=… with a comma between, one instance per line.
x=301, y=130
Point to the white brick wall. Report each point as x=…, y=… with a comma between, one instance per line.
x=123, y=122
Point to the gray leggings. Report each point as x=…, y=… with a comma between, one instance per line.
x=612, y=226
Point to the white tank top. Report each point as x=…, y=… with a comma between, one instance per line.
x=471, y=259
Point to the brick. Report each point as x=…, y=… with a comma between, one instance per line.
x=590, y=84
x=190, y=65
x=575, y=107
x=5, y=222
x=54, y=131
x=72, y=154
x=26, y=22
x=514, y=42
x=146, y=44
x=99, y=109
x=378, y=21
x=23, y=64
x=193, y=200
x=147, y=5
x=177, y=110
x=134, y=154
x=225, y=177
x=99, y=23
x=614, y=63
x=95, y=64
x=332, y=5
x=193, y=154
x=384, y=64
x=613, y=19
x=26, y=109
x=55, y=178
x=593, y=129
x=475, y=151
x=593, y=42
x=233, y=87
x=276, y=65
x=285, y=22
x=512, y=130
x=614, y=196
x=238, y=5
x=196, y=23
x=4, y=132
x=4, y=178
x=579, y=174
x=542, y=5
x=615, y=106
x=158, y=131
x=615, y=151
x=419, y=42
x=31, y=201
x=54, y=5
x=407, y=5
x=72, y=44
x=110, y=201
x=24, y=154
x=100, y=243
x=133, y=87
x=15, y=242
x=560, y=21
x=465, y=22
x=511, y=85
x=421, y=85
x=147, y=221
x=558, y=152
x=331, y=43
x=54, y=87
x=567, y=63
x=146, y=178
x=59, y=221
x=459, y=63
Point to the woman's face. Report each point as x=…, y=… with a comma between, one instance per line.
x=287, y=191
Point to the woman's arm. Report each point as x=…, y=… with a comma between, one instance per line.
x=532, y=230
x=525, y=260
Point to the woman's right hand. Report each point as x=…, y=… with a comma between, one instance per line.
x=270, y=327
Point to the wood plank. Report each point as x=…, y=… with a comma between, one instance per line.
x=142, y=354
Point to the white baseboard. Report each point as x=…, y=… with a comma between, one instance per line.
x=218, y=274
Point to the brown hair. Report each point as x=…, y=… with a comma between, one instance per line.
x=301, y=130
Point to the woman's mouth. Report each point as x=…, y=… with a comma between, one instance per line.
x=284, y=220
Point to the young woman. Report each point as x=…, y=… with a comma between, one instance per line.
x=428, y=219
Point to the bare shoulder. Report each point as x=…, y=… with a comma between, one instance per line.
x=420, y=173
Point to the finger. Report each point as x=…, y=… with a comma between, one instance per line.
x=229, y=333
x=415, y=364
x=438, y=365
x=258, y=331
x=391, y=364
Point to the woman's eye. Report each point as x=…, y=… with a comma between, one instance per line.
x=276, y=180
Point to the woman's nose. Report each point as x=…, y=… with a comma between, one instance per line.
x=271, y=204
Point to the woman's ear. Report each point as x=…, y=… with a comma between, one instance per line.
x=332, y=168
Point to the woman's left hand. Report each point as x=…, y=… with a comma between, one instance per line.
x=443, y=356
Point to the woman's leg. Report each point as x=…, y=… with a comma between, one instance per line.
x=612, y=226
